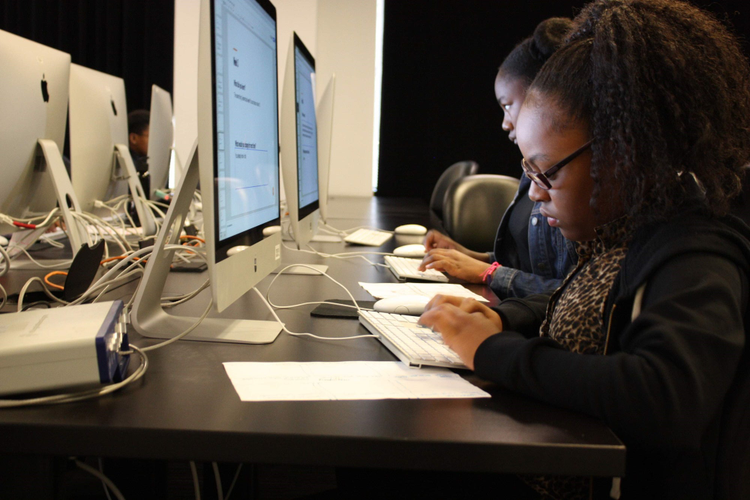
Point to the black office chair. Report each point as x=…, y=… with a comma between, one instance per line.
x=474, y=206
x=447, y=178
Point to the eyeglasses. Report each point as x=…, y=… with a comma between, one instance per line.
x=542, y=179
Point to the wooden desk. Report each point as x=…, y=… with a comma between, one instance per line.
x=186, y=408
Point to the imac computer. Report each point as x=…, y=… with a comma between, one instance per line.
x=161, y=135
x=34, y=103
x=299, y=143
x=237, y=163
x=325, y=136
x=101, y=167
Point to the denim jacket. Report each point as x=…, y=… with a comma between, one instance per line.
x=551, y=255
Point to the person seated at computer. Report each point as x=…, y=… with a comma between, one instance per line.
x=635, y=134
x=138, y=127
x=529, y=256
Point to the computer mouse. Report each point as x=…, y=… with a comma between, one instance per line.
x=413, y=229
x=3, y=241
x=268, y=231
x=402, y=304
x=416, y=250
x=236, y=249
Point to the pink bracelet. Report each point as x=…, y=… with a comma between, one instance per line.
x=488, y=272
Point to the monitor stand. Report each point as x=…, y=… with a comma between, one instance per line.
x=136, y=189
x=148, y=316
x=66, y=200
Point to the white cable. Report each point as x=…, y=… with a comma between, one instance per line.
x=108, y=482
x=101, y=469
x=99, y=223
x=61, y=265
x=268, y=291
x=183, y=334
x=46, y=219
x=186, y=297
x=234, y=481
x=47, y=292
x=196, y=484
x=5, y=261
x=306, y=334
x=342, y=256
x=217, y=477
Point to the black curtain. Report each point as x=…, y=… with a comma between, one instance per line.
x=438, y=104
x=132, y=39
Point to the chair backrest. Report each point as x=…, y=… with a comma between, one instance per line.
x=451, y=174
x=474, y=206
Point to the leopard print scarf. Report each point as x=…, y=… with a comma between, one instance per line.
x=575, y=319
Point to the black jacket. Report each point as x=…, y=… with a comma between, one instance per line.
x=663, y=385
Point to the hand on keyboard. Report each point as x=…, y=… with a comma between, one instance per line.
x=463, y=323
x=454, y=263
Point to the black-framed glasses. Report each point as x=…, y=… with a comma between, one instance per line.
x=542, y=179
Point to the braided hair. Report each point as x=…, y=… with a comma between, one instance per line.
x=527, y=58
x=664, y=89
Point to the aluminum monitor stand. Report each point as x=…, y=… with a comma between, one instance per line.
x=148, y=316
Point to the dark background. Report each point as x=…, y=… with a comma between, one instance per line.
x=440, y=58
x=132, y=39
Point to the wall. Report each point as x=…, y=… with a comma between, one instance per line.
x=341, y=36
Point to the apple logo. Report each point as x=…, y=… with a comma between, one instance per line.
x=45, y=93
x=114, y=108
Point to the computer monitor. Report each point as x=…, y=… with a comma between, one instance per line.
x=299, y=142
x=101, y=167
x=325, y=137
x=34, y=103
x=161, y=135
x=237, y=162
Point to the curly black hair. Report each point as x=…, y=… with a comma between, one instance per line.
x=665, y=90
x=527, y=58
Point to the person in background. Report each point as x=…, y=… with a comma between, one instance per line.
x=138, y=127
x=529, y=256
x=635, y=134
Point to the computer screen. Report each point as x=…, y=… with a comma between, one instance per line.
x=237, y=163
x=325, y=137
x=34, y=103
x=161, y=135
x=98, y=121
x=101, y=167
x=299, y=146
x=246, y=152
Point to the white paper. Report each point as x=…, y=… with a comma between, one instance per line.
x=345, y=380
x=386, y=290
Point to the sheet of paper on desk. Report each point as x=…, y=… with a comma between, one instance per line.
x=385, y=290
x=345, y=380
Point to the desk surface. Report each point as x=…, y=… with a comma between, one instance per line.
x=186, y=408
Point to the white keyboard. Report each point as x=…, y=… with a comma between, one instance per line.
x=368, y=237
x=413, y=344
x=404, y=268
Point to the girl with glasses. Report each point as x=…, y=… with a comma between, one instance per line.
x=529, y=256
x=635, y=134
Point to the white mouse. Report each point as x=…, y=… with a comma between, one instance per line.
x=268, y=231
x=237, y=249
x=3, y=241
x=415, y=250
x=412, y=229
x=402, y=304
